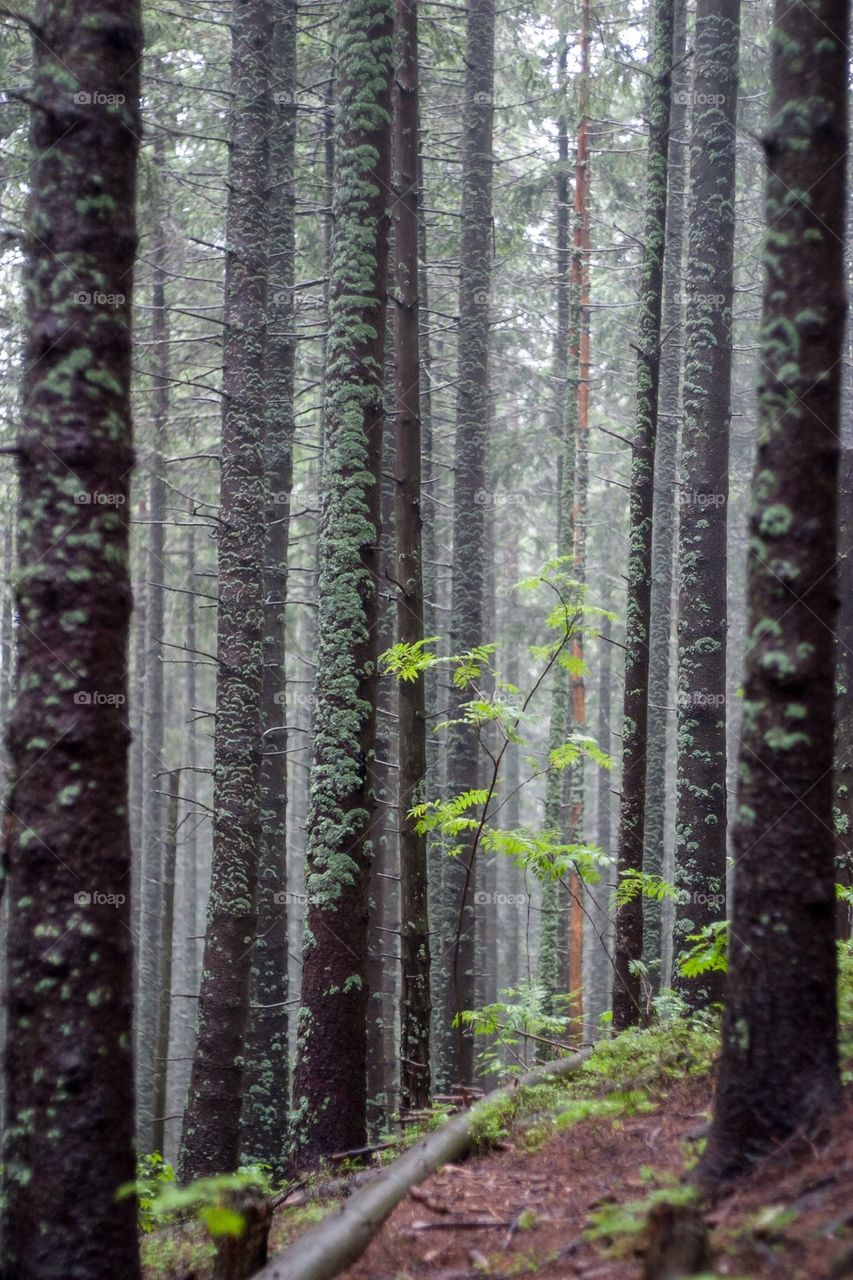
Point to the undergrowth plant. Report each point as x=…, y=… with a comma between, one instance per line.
x=623, y=1076
x=500, y=713
x=206, y=1200
x=618, y=1224
x=845, y=1009
x=520, y=1029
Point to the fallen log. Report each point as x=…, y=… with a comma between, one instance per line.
x=327, y=1248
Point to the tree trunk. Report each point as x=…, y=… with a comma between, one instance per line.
x=136, y=780
x=330, y=1082
x=700, y=857
x=779, y=1069
x=661, y=718
x=210, y=1142
x=165, y=941
x=441, y=1033
x=190, y=784
x=149, y=989
x=843, y=774
x=599, y=933
x=565, y=385
x=415, y=1004
x=510, y=879
x=239, y=1257
x=383, y=925
x=627, y=1006
x=469, y=487
x=580, y=363
x=69, y=1071
x=265, y=1105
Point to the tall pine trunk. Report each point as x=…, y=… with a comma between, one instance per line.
x=580, y=363
x=150, y=1072
x=69, y=1074
x=843, y=774
x=553, y=892
x=661, y=718
x=265, y=1105
x=469, y=488
x=329, y=1086
x=627, y=988
x=700, y=855
x=166, y=934
x=415, y=1005
x=779, y=1069
x=210, y=1142
x=599, y=940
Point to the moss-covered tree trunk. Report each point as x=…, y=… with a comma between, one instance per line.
x=210, y=1142
x=265, y=1104
x=580, y=363
x=384, y=915
x=439, y=1032
x=779, y=1069
x=330, y=1081
x=565, y=374
x=469, y=489
x=415, y=1004
x=700, y=854
x=661, y=719
x=629, y=917
x=69, y=1074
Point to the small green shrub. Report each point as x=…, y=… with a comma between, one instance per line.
x=162, y=1201
x=613, y=1222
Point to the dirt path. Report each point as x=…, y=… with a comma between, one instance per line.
x=515, y=1212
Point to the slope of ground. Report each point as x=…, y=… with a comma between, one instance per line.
x=581, y=1178
x=577, y=1205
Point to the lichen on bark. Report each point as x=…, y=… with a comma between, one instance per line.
x=329, y=1088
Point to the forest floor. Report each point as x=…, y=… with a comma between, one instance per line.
x=577, y=1206
x=574, y=1172
x=572, y=1175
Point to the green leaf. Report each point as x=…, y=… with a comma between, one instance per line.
x=635, y=883
x=576, y=747
x=408, y=661
x=221, y=1221
x=709, y=953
